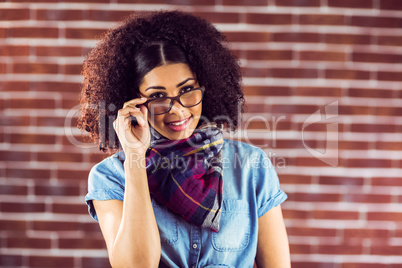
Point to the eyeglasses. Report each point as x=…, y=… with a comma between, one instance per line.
x=187, y=99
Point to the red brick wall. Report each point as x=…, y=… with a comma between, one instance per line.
x=338, y=61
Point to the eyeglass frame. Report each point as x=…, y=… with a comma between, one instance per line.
x=176, y=98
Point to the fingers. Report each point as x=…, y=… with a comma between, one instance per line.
x=131, y=110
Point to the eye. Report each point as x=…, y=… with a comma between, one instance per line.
x=157, y=95
x=186, y=89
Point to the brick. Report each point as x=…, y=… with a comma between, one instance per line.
x=255, y=72
x=379, y=128
x=219, y=17
x=171, y=2
x=294, y=109
x=18, y=138
x=7, y=155
x=310, y=231
x=364, y=265
x=333, y=180
x=72, y=174
x=313, y=197
x=267, y=91
x=15, y=121
x=351, y=4
x=108, y=15
x=335, y=215
x=376, y=22
x=298, y=3
x=248, y=37
x=391, y=5
x=11, y=50
x=366, y=233
x=56, y=86
x=317, y=91
x=378, y=181
x=34, y=68
x=26, y=242
x=384, y=216
x=11, y=225
x=389, y=250
x=304, y=264
x=268, y=19
x=14, y=86
x=87, y=243
x=27, y=173
x=95, y=262
x=376, y=57
x=73, y=69
x=50, y=261
x=3, y=68
x=368, y=198
x=32, y=103
x=389, y=76
x=87, y=33
x=52, y=121
x=294, y=179
x=354, y=145
x=389, y=40
x=372, y=163
x=59, y=190
x=90, y=227
x=271, y=55
x=347, y=74
x=388, y=145
x=318, y=19
x=22, y=207
x=347, y=39
x=294, y=73
x=244, y=3
x=13, y=190
x=340, y=249
x=59, y=157
x=322, y=56
x=295, y=214
x=355, y=110
x=59, y=15
x=96, y=158
x=14, y=14
x=59, y=51
x=296, y=37
x=371, y=93
x=72, y=209
x=8, y=260
x=37, y=32
x=301, y=249
x=56, y=226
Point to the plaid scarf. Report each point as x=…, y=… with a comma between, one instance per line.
x=186, y=175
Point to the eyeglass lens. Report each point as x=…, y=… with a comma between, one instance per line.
x=187, y=99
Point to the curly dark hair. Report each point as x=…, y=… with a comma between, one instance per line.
x=115, y=68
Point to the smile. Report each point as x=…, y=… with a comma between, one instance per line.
x=179, y=125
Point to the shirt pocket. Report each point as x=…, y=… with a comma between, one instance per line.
x=167, y=224
x=234, y=230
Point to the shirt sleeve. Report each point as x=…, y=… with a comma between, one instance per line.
x=268, y=191
x=105, y=182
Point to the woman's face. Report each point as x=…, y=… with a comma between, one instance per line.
x=170, y=80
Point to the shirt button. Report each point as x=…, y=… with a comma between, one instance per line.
x=195, y=246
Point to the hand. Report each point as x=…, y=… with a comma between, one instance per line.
x=134, y=139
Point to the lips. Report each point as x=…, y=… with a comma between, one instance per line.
x=179, y=125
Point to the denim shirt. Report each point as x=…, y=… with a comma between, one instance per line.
x=250, y=189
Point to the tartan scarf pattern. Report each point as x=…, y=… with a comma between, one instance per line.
x=186, y=175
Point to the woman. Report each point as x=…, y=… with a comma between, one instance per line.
x=161, y=87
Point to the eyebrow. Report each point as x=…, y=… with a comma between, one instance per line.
x=178, y=85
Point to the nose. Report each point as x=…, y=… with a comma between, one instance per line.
x=177, y=108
